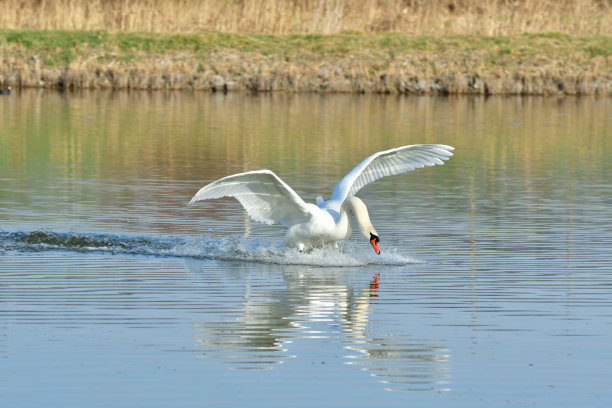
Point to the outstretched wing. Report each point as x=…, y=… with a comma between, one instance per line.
x=265, y=197
x=389, y=163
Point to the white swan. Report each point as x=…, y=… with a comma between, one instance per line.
x=268, y=199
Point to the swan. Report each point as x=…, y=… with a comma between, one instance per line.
x=269, y=200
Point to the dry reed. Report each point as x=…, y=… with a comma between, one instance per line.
x=440, y=17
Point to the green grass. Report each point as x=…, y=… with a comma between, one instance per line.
x=63, y=47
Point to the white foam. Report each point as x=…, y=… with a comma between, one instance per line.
x=236, y=248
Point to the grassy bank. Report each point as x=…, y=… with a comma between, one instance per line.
x=345, y=62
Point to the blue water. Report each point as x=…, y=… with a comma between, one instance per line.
x=494, y=286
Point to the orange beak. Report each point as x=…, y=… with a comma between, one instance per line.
x=374, y=241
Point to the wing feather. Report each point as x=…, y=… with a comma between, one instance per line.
x=264, y=196
x=389, y=163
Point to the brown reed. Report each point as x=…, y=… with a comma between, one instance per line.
x=422, y=17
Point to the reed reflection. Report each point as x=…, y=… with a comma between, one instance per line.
x=310, y=306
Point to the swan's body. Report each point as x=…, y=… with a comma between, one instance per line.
x=267, y=199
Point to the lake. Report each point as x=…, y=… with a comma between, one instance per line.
x=494, y=286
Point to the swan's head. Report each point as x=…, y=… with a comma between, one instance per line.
x=374, y=241
x=355, y=206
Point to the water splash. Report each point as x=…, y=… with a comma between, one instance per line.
x=231, y=248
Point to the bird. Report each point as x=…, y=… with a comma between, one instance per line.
x=268, y=199
x=5, y=91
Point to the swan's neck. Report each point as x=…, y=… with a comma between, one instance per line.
x=358, y=209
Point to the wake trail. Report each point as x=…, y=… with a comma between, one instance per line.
x=231, y=248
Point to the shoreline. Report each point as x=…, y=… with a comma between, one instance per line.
x=347, y=63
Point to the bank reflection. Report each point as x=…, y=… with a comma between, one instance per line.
x=260, y=334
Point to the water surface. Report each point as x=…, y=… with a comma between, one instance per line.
x=494, y=286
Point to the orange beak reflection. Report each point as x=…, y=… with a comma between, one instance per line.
x=374, y=241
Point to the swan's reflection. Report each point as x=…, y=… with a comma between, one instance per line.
x=403, y=363
x=311, y=306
